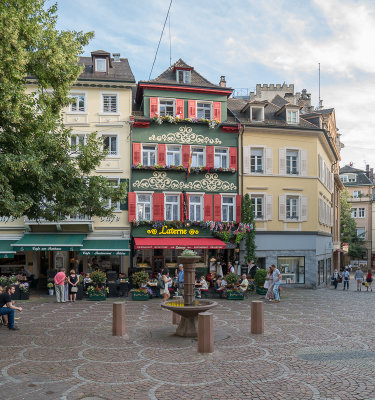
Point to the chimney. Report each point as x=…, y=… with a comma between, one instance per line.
x=371, y=174
x=116, y=56
x=223, y=82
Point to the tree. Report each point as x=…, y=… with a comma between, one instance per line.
x=247, y=217
x=349, y=229
x=39, y=178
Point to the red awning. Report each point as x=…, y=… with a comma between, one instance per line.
x=178, y=243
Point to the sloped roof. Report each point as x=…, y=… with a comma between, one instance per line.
x=279, y=101
x=362, y=178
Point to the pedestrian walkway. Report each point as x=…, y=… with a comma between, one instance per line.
x=318, y=344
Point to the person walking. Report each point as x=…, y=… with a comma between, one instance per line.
x=59, y=280
x=6, y=300
x=166, y=279
x=268, y=284
x=359, y=278
x=73, y=282
x=346, y=277
x=276, y=277
x=181, y=278
x=336, y=278
x=369, y=279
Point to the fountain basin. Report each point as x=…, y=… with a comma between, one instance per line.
x=189, y=314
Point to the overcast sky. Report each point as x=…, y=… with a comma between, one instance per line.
x=250, y=42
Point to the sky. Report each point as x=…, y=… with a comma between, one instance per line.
x=250, y=42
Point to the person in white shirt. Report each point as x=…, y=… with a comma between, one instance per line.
x=276, y=277
x=359, y=279
x=244, y=283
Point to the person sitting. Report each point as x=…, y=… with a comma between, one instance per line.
x=203, y=287
x=6, y=299
x=244, y=283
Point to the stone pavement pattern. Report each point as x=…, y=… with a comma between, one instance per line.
x=317, y=345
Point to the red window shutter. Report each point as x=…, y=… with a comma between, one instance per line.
x=192, y=109
x=182, y=207
x=132, y=207
x=217, y=207
x=136, y=153
x=217, y=110
x=180, y=108
x=238, y=208
x=210, y=156
x=162, y=154
x=154, y=106
x=208, y=207
x=185, y=155
x=158, y=207
x=187, y=207
x=233, y=158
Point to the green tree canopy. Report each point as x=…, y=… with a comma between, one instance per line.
x=247, y=217
x=39, y=178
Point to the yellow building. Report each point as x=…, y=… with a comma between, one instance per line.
x=288, y=169
x=102, y=102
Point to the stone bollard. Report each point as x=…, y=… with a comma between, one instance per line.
x=205, y=332
x=257, y=317
x=118, y=321
x=175, y=317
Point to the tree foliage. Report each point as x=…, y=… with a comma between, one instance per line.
x=39, y=178
x=247, y=217
x=349, y=228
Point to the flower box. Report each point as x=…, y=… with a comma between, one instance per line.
x=235, y=295
x=97, y=297
x=261, y=290
x=140, y=296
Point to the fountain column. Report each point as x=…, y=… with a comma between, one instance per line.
x=189, y=278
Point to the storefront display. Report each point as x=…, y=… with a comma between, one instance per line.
x=292, y=269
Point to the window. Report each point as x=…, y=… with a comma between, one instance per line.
x=183, y=76
x=227, y=208
x=173, y=155
x=77, y=140
x=78, y=103
x=110, y=103
x=361, y=232
x=100, y=65
x=221, y=158
x=361, y=213
x=113, y=182
x=258, y=206
x=292, y=207
x=144, y=207
x=357, y=194
x=172, y=207
x=292, y=269
x=292, y=162
x=344, y=178
x=166, y=107
x=195, y=208
x=353, y=213
x=352, y=178
x=197, y=157
x=292, y=117
x=110, y=144
x=257, y=114
x=256, y=160
x=148, y=155
x=204, y=110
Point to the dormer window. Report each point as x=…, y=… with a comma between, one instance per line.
x=183, y=76
x=292, y=116
x=257, y=114
x=100, y=65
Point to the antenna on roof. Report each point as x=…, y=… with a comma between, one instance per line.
x=160, y=40
x=170, y=42
x=319, y=87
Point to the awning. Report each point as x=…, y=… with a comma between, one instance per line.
x=116, y=247
x=178, y=243
x=6, y=250
x=49, y=242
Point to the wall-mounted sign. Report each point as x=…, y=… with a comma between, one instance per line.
x=172, y=231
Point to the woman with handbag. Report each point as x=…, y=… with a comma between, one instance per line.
x=73, y=288
x=369, y=279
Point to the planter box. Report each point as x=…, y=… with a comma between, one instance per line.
x=140, y=296
x=235, y=296
x=96, y=297
x=24, y=295
x=261, y=290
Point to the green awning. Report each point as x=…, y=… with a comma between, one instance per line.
x=116, y=247
x=6, y=251
x=49, y=242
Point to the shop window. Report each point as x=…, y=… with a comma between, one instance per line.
x=148, y=155
x=195, y=208
x=166, y=107
x=292, y=269
x=258, y=204
x=221, y=158
x=197, y=157
x=292, y=207
x=172, y=207
x=256, y=160
x=144, y=207
x=228, y=209
x=204, y=110
x=173, y=155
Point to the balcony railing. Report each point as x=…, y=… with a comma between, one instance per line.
x=69, y=219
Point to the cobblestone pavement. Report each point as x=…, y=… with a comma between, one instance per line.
x=318, y=344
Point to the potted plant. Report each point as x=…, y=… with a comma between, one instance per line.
x=97, y=293
x=4, y=281
x=233, y=292
x=141, y=293
x=24, y=291
x=50, y=288
x=98, y=277
x=260, y=278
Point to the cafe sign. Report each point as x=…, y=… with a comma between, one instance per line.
x=172, y=231
x=103, y=253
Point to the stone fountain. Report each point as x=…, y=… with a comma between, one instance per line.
x=189, y=308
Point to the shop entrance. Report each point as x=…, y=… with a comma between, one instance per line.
x=157, y=263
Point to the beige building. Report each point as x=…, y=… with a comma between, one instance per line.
x=289, y=159
x=102, y=103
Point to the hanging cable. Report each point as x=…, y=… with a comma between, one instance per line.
x=161, y=36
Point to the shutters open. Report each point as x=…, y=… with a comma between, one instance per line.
x=282, y=207
x=269, y=200
x=282, y=161
x=182, y=210
x=162, y=154
x=238, y=208
x=246, y=159
x=185, y=155
x=192, y=109
x=303, y=208
x=233, y=158
x=208, y=207
x=217, y=111
x=180, y=108
x=210, y=156
x=217, y=207
x=269, y=160
x=137, y=149
x=132, y=206
x=154, y=106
